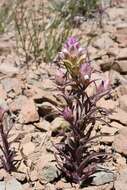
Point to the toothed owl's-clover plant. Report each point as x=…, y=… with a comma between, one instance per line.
x=73, y=154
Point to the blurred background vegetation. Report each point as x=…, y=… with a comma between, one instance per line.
x=41, y=27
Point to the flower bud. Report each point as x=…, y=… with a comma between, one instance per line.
x=67, y=114
x=60, y=77
x=71, y=42
x=72, y=49
x=105, y=85
x=85, y=71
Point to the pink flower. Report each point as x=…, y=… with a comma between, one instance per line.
x=71, y=43
x=85, y=71
x=67, y=114
x=72, y=49
x=60, y=77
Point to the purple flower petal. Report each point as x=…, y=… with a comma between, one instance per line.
x=60, y=77
x=85, y=71
x=67, y=114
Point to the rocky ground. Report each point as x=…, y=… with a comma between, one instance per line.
x=29, y=92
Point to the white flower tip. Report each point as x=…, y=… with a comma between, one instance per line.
x=86, y=77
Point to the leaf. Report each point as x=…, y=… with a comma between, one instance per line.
x=89, y=159
x=88, y=171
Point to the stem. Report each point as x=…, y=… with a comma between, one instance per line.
x=7, y=162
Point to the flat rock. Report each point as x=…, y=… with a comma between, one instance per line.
x=17, y=104
x=45, y=159
x=103, y=177
x=121, y=90
x=115, y=76
x=107, y=140
x=103, y=42
x=121, y=182
x=28, y=128
x=28, y=112
x=93, y=52
x=3, y=104
x=10, y=184
x=121, y=66
x=44, y=125
x=48, y=84
x=123, y=102
x=120, y=116
x=63, y=185
x=2, y=185
x=122, y=39
x=28, y=148
x=122, y=54
x=34, y=175
x=20, y=176
x=108, y=104
x=120, y=34
x=120, y=160
x=3, y=94
x=41, y=96
x=117, y=125
x=59, y=123
x=34, y=92
x=49, y=173
x=13, y=184
x=118, y=65
x=22, y=169
x=116, y=13
x=3, y=174
x=12, y=84
x=122, y=28
x=120, y=142
x=8, y=69
x=110, y=130
x=113, y=51
x=101, y=187
x=47, y=109
x=50, y=187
